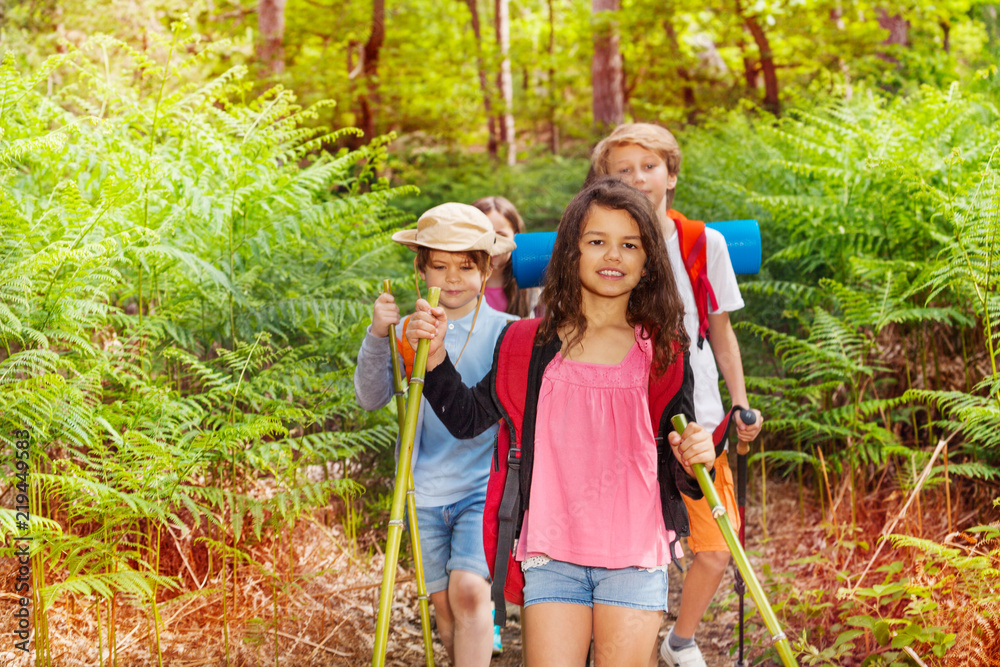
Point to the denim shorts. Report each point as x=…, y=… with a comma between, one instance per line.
x=632, y=587
x=451, y=538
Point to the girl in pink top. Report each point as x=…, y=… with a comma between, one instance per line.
x=502, y=292
x=594, y=543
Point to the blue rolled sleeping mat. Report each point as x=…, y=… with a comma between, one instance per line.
x=531, y=257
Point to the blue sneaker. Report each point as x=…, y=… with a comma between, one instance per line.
x=497, y=643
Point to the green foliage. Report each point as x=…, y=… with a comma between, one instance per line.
x=880, y=228
x=186, y=275
x=885, y=213
x=876, y=621
x=682, y=61
x=540, y=189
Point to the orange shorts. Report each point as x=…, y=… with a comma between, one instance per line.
x=705, y=533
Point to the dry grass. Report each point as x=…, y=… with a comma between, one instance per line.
x=327, y=616
x=326, y=605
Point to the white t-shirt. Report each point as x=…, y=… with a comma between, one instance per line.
x=708, y=408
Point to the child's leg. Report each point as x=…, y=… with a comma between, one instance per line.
x=700, y=584
x=468, y=584
x=627, y=605
x=557, y=619
x=435, y=547
x=624, y=636
x=628, y=608
x=445, y=621
x=472, y=611
x=556, y=634
x=711, y=552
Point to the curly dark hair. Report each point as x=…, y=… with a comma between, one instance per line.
x=654, y=302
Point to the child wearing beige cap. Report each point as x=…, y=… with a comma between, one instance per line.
x=454, y=244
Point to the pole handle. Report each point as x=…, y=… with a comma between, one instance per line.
x=749, y=417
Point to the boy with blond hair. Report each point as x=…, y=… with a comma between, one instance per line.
x=454, y=244
x=648, y=158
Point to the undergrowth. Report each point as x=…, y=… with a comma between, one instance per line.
x=184, y=277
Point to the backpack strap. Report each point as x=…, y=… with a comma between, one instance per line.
x=663, y=387
x=515, y=358
x=692, y=240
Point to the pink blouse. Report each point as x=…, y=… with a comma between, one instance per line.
x=595, y=499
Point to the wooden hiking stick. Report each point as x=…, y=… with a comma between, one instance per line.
x=756, y=591
x=742, y=450
x=404, y=482
x=399, y=387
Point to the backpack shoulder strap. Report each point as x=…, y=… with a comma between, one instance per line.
x=513, y=363
x=692, y=239
x=513, y=359
x=663, y=387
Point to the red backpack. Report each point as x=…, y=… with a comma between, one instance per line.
x=691, y=236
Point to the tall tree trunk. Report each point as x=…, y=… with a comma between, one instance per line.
x=608, y=91
x=945, y=35
x=772, y=100
x=484, y=85
x=683, y=73
x=898, y=28
x=271, y=23
x=504, y=79
x=369, y=68
x=553, y=101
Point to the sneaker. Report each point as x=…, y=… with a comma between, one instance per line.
x=497, y=643
x=685, y=657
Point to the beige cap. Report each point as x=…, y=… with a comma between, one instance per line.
x=455, y=227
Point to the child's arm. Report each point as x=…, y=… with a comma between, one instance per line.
x=727, y=357
x=373, y=384
x=466, y=412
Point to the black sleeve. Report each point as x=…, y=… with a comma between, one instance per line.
x=465, y=411
x=683, y=403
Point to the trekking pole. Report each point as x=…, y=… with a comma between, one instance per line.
x=742, y=449
x=756, y=591
x=403, y=477
x=399, y=387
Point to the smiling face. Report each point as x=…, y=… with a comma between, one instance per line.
x=612, y=259
x=459, y=279
x=645, y=171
